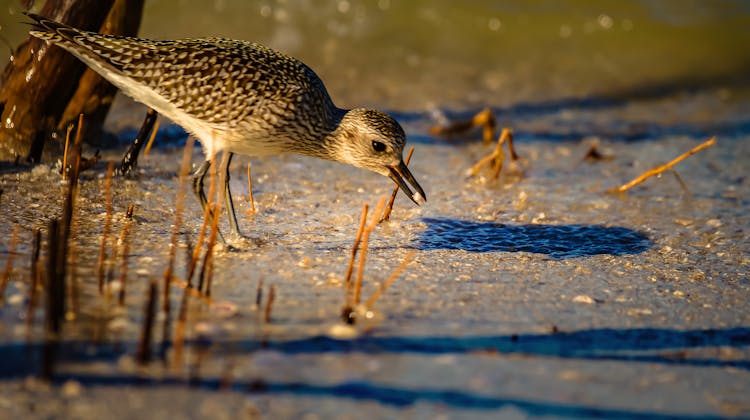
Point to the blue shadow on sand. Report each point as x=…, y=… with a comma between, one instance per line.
x=638, y=345
x=557, y=241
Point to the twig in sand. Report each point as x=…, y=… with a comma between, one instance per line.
x=208, y=256
x=34, y=275
x=484, y=118
x=593, y=154
x=363, y=254
x=143, y=354
x=394, y=275
x=125, y=241
x=659, y=169
x=179, y=330
x=65, y=153
x=259, y=293
x=179, y=203
x=496, y=158
x=389, y=206
x=269, y=303
x=107, y=225
x=355, y=247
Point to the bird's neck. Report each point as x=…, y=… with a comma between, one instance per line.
x=324, y=143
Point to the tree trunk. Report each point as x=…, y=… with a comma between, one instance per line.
x=44, y=88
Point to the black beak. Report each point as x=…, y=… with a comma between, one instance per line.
x=399, y=174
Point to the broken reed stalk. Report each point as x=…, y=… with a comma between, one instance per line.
x=198, y=245
x=394, y=275
x=486, y=119
x=9, y=263
x=72, y=285
x=55, y=282
x=125, y=251
x=679, y=181
x=57, y=243
x=143, y=354
x=208, y=262
x=151, y=139
x=259, y=293
x=497, y=156
x=179, y=330
x=363, y=254
x=204, y=226
x=107, y=225
x=250, y=189
x=659, y=169
x=269, y=303
x=65, y=153
x=34, y=275
x=187, y=153
x=216, y=204
x=389, y=206
x=353, y=256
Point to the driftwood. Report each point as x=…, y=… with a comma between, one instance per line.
x=44, y=88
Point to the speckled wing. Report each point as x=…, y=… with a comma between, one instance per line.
x=215, y=80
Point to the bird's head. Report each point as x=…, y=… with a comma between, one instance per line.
x=373, y=140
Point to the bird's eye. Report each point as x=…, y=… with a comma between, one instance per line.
x=378, y=146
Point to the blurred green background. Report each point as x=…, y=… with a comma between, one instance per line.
x=413, y=55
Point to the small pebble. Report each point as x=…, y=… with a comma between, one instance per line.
x=71, y=389
x=583, y=299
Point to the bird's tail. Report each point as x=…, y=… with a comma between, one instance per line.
x=51, y=30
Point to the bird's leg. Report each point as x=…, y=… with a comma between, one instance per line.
x=198, y=178
x=198, y=189
x=225, y=162
x=130, y=160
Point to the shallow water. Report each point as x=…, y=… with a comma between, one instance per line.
x=536, y=295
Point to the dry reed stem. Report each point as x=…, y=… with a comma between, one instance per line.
x=679, y=180
x=125, y=251
x=363, y=254
x=204, y=227
x=107, y=225
x=143, y=354
x=251, y=210
x=659, y=169
x=65, y=153
x=9, y=262
x=484, y=118
x=34, y=277
x=259, y=293
x=394, y=275
x=269, y=303
x=198, y=246
x=355, y=247
x=151, y=139
x=497, y=156
x=74, y=310
x=187, y=153
x=54, y=287
x=213, y=194
x=179, y=330
x=389, y=206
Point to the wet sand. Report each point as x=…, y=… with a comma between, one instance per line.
x=537, y=295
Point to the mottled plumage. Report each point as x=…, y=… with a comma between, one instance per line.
x=240, y=97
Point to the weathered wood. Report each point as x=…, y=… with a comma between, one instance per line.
x=44, y=88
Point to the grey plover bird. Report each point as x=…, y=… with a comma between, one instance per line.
x=239, y=97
